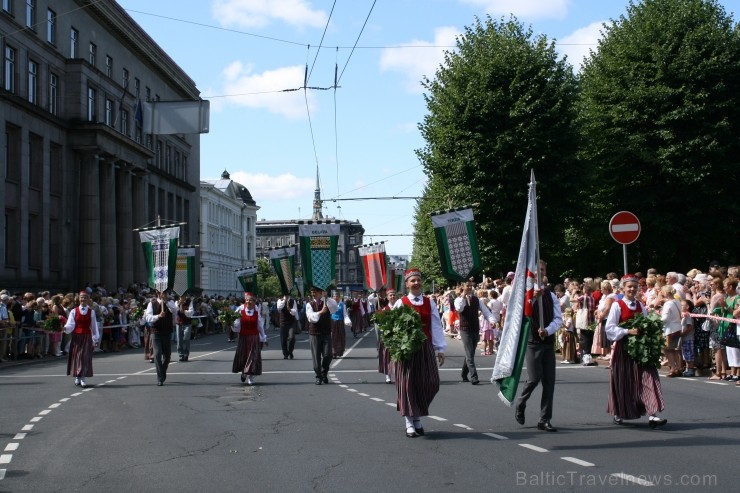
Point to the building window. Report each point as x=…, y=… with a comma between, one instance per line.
x=8, y=6
x=124, y=80
x=55, y=170
x=35, y=161
x=109, y=112
x=34, y=241
x=92, y=52
x=12, y=153
x=74, y=38
x=55, y=245
x=351, y=240
x=51, y=26
x=30, y=13
x=351, y=257
x=158, y=154
x=178, y=170
x=53, y=93
x=339, y=258
x=9, y=69
x=33, y=71
x=109, y=66
x=124, y=122
x=91, y=116
x=137, y=87
x=279, y=242
x=148, y=93
x=12, y=238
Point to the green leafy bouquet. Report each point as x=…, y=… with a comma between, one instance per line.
x=645, y=348
x=401, y=331
x=227, y=317
x=136, y=313
x=52, y=323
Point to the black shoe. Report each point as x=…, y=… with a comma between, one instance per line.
x=160, y=383
x=618, y=421
x=657, y=423
x=325, y=380
x=290, y=356
x=186, y=359
x=285, y=357
x=420, y=431
x=465, y=379
x=243, y=378
x=474, y=381
x=519, y=415
x=318, y=381
x=546, y=426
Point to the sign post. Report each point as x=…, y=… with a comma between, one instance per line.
x=625, y=228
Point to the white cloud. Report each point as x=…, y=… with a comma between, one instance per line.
x=530, y=9
x=577, y=44
x=423, y=59
x=267, y=188
x=258, y=90
x=260, y=13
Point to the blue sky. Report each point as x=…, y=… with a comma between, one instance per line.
x=364, y=134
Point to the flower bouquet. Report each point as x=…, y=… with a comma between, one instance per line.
x=227, y=317
x=401, y=331
x=647, y=347
x=52, y=323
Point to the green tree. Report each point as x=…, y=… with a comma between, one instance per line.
x=267, y=281
x=660, y=116
x=500, y=106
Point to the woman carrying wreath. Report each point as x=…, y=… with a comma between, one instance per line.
x=417, y=379
x=248, y=358
x=634, y=389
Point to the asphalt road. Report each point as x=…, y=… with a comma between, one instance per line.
x=206, y=431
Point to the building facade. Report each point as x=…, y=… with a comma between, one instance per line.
x=228, y=235
x=78, y=173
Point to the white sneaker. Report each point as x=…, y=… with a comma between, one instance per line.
x=77, y=381
x=387, y=379
x=250, y=380
x=83, y=383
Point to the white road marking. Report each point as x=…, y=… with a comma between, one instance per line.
x=11, y=447
x=578, y=461
x=497, y=437
x=19, y=436
x=64, y=400
x=437, y=418
x=6, y=458
x=36, y=419
x=364, y=395
x=45, y=412
x=27, y=428
x=460, y=425
x=55, y=405
x=121, y=378
x=377, y=399
x=2, y=474
x=351, y=390
x=533, y=447
x=344, y=386
x=633, y=479
x=76, y=394
x=390, y=404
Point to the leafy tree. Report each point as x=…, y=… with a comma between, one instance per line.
x=267, y=281
x=660, y=117
x=500, y=106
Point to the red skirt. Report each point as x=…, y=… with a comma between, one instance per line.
x=338, y=337
x=417, y=382
x=634, y=390
x=248, y=357
x=385, y=363
x=79, y=359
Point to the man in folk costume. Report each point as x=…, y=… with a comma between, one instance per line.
x=467, y=305
x=318, y=315
x=357, y=315
x=287, y=309
x=249, y=326
x=386, y=299
x=417, y=379
x=634, y=390
x=161, y=313
x=83, y=326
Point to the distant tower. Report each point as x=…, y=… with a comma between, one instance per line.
x=317, y=199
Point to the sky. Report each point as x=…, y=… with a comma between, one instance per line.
x=362, y=136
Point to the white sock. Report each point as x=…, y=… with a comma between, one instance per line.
x=409, y=421
x=417, y=422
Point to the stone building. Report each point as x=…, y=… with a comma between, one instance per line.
x=78, y=173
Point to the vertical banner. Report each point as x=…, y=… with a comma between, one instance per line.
x=318, y=243
x=283, y=261
x=513, y=347
x=160, y=256
x=185, y=270
x=374, y=265
x=247, y=277
x=457, y=244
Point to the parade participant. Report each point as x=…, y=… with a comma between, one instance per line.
x=540, y=355
x=184, y=327
x=83, y=326
x=357, y=314
x=160, y=313
x=318, y=315
x=634, y=390
x=417, y=379
x=386, y=300
x=287, y=317
x=148, y=348
x=338, y=336
x=467, y=306
x=249, y=326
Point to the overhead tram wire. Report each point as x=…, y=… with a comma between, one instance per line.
x=356, y=41
x=321, y=42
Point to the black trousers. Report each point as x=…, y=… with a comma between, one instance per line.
x=287, y=339
x=540, y=361
x=321, y=353
x=470, y=339
x=162, y=344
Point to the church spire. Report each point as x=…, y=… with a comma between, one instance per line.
x=317, y=199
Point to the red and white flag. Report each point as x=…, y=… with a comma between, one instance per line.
x=374, y=265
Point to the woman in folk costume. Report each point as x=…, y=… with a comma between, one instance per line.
x=634, y=390
x=248, y=358
x=338, y=333
x=83, y=326
x=417, y=379
x=386, y=300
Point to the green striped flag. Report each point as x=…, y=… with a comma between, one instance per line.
x=247, y=277
x=318, y=245
x=160, y=256
x=457, y=244
x=517, y=325
x=283, y=261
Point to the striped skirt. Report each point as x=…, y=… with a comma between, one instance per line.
x=634, y=390
x=148, y=348
x=358, y=322
x=79, y=359
x=338, y=337
x=417, y=382
x=385, y=363
x=248, y=358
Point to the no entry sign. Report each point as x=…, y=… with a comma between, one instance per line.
x=624, y=227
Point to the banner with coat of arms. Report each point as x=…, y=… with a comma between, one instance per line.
x=283, y=261
x=247, y=277
x=318, y=244
x=457, y=244
x=160, y=255
x=374, y=265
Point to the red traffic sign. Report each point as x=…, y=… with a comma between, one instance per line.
x=624, y=227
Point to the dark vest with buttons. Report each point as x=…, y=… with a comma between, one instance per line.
x=323, y=326
x=285, y=318
x=547, y=314
x=469, y=316
x=163, y=325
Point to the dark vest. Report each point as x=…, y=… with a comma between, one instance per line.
x=547, y=314
x=469, y=316
x=323, y=326
x=286, y=319
x=163, y=325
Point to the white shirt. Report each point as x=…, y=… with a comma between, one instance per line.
x=461, y=302
x=496, y=307
x=152, y=317
x=671, y=316
x=283, y=301
x=69, y=327
x=613, y=331
x=313, y=316
x=438, y=336
x=238, y=322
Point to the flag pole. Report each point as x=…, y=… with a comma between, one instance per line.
x=533, y=184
